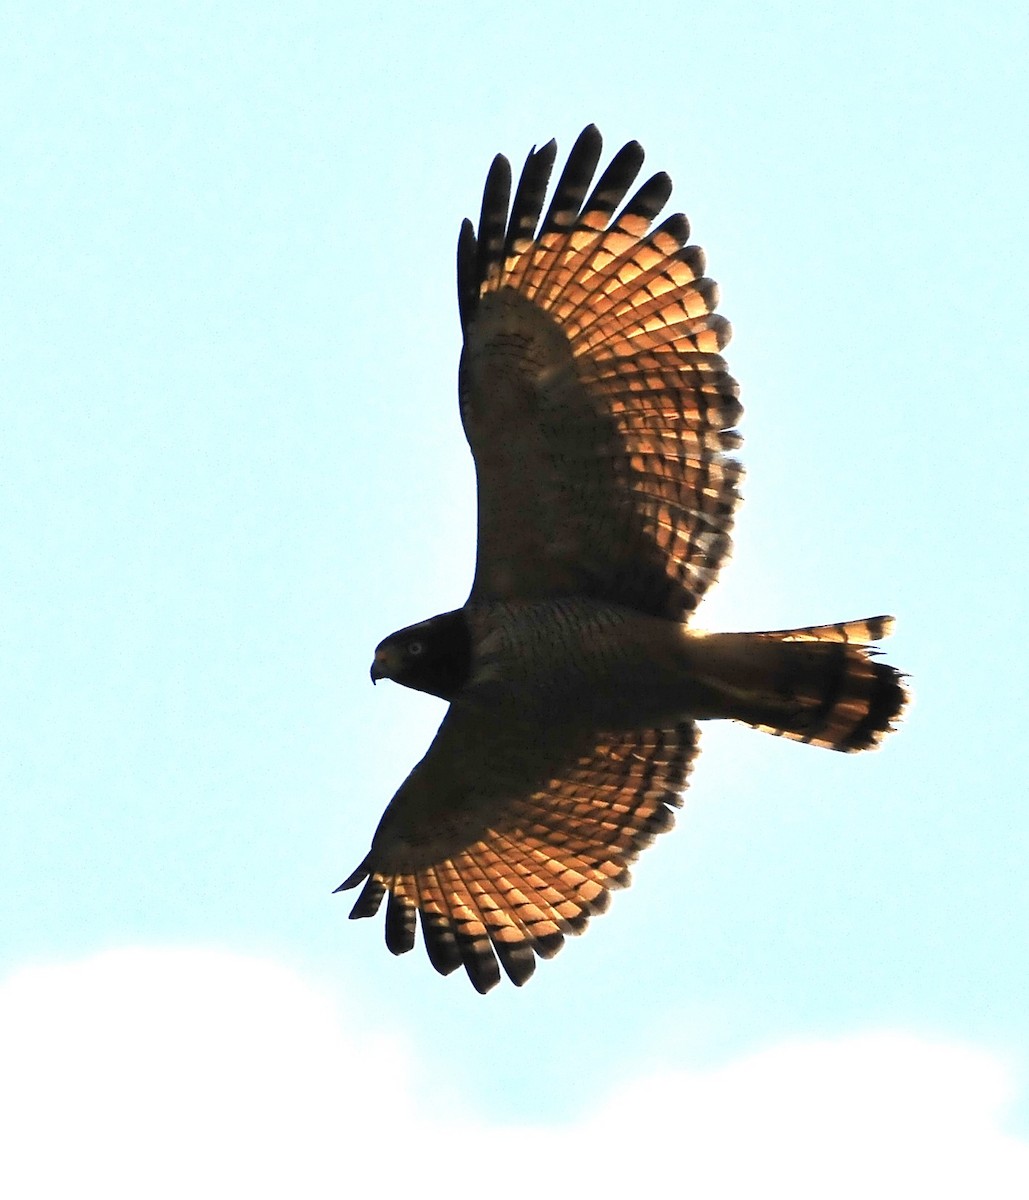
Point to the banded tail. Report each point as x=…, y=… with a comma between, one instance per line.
x=822, y=684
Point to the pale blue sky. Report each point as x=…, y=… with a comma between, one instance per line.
x=232, y=461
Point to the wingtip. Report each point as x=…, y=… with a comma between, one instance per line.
x=353, y=879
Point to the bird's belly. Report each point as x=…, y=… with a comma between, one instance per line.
x=576, y=659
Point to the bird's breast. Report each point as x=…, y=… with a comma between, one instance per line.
x=602, y=663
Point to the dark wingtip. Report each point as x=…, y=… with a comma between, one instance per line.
x=517, y=959
x=352, y=880
x=401, y=919
x=483, y=984
x=467, y=281
x=440, y=943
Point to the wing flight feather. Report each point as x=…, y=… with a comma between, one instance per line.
x=597, y=405
x=499, y=864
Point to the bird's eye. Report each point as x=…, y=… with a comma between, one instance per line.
x=415, y=648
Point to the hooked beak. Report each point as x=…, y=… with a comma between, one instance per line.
x=379, y=667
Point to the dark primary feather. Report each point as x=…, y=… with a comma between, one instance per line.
x=528, y=201
x=575, y=179
x=493, y=219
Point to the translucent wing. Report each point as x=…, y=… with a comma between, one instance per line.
x=593, y=395
x=510, y=834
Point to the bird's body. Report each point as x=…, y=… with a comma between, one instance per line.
x=600, y=417
x=560, y=657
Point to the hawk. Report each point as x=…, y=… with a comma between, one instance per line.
x=600, y=416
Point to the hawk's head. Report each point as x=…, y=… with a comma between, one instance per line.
x=433, y=656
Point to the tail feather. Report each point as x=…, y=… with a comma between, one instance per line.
x=822, y=684
x=863, y=631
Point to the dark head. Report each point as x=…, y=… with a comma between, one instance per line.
x=433, y=656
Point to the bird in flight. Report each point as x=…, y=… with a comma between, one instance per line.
x=601, y=419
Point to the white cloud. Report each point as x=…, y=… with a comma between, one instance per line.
x=193, y=1073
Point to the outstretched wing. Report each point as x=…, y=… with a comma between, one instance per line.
x=500, y=852
x=593, y=396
